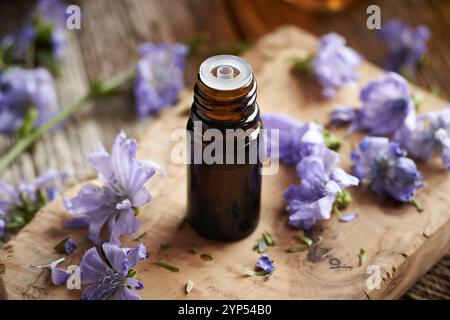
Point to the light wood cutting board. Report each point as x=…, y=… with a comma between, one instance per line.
x=398, y=239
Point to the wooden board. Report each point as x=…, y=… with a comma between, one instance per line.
x=401, y=241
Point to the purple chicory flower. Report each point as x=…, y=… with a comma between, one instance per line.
x=321, y=189
x=41, y=42
x=427, y=134
x=45, y=29
x=70, y=246
x=386, y=103
x=407, y=46
x=23, y=90
x=113, y=204
x=348, y=217
x=264, y=263
x=384, y=166
x=19, y=203
x=112, y=277
x=159, y=79
x=296, y=140
x=54, y=12
x=67, y=246
x=334, y=64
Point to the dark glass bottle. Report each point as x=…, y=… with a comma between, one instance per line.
x=224, y=191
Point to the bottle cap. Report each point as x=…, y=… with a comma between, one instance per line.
x=225, y=72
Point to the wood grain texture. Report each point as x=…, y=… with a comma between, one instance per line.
x=403, y=242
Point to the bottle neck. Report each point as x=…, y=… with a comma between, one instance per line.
x=232, y=106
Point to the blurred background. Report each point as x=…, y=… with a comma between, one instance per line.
x=111, y=30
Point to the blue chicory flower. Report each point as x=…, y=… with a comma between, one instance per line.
x=23, y=90
x=334, y=64
x=114, y=204
x=70, y=246
x=427, y=134
x=385, y=167
x=112, y=277
x=386, y=103
x=159, y=79
x=264, y=263
x=44, y=30
x=407, y=46
x=19, y=203
x=54, y=12
x=321, y=186
x=296, y=139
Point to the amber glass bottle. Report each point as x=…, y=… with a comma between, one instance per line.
x=224, y=173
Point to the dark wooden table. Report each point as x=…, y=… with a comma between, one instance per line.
x=111, y=29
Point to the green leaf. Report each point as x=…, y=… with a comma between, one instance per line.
x=417, y=99
x=206, y=257
x=192, y=251
x=302, y=248
x=132, y=273
x=362, y=256
x=252, y=273
x=331, y=141
x=167, y=266
x=303, y=65
x=418, y=206
x=261, y=246
x=343, y=199
x=189, y=286
x=304, y=239
x=60, y=247
x=268, y=238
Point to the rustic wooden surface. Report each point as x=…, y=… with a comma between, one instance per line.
x=398, y=239
x=123, y=24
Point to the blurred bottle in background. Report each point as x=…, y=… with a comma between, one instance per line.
x=322, y=5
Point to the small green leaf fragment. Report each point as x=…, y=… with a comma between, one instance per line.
x=206, y=257
x=304, y=239
x=417, y=98
x=261, y=246
x=343, y=199
x=302, y=248
x=303, y=65
x=252, y=273
x=189, y=286
x=60, y=247
x=132, y=273
x=167, y=266
x=362, y=256
x=192, y=251
x=331, y=141
x=418, y=206
x=268, y=238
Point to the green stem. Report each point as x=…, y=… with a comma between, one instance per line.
x=418, y=206
x=23, y=144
